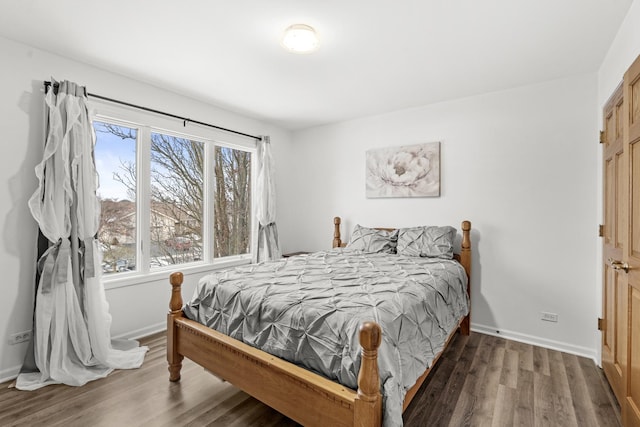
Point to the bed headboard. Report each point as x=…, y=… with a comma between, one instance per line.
x=337, y=241
x=464, y=257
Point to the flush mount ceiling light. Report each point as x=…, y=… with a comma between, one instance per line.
x=300, y=38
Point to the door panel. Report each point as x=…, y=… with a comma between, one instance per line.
x=632, y=409
x=614, y=352
x=621, y=188
x=608, y=334
x=631, y=136
x=635, y=196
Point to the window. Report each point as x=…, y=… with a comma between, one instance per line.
x=169, y=197
x=115, y=154
x=177, y=196
x=232, y=201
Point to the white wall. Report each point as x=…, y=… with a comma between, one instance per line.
x=623, y=51
x=136, y=310
x=519, y=164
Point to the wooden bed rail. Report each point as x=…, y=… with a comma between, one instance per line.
x=302, y=395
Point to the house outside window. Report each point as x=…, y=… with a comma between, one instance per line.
x=171, y=198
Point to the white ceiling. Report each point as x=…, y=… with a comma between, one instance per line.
x=375, y=55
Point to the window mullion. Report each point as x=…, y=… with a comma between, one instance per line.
x=208, y=231
x=144, y=198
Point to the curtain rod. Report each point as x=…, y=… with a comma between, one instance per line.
x=47, y=84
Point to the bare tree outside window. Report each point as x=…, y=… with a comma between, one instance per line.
x=177, y=185
x=232, y=202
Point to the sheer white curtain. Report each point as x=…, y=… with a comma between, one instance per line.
x=72, y=339
x=268, y=246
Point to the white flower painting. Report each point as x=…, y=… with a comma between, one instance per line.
x=406, y=171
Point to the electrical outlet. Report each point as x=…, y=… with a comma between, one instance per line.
x=549, y=317
x=20, y=337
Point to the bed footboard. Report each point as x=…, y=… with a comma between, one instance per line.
x=302, y=395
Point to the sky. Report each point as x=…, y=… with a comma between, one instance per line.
x=110, y=152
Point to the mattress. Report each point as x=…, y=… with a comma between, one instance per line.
x=307, y=309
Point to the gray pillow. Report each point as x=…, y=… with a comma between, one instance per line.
x=427, y=241
x=372, y=240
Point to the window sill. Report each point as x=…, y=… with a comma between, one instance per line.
x=136, y=278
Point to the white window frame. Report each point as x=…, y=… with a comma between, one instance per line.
x=146, y=123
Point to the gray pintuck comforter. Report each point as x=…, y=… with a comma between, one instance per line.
x=308, y=309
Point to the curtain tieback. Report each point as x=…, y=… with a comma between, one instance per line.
x=89, y=267
x=49, y=260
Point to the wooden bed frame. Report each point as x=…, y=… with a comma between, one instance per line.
x=306, y=397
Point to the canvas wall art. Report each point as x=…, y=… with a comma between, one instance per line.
x=404, y=171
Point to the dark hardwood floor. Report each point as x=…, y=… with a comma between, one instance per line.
x=480, y=380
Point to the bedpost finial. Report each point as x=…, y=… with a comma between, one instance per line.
x=176, y=278
x=175, y=304
x=466, y=237
x=337, y=242
x=370, y=336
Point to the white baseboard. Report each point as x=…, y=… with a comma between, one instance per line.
x=9, y=373
x=142, y=332
x=589, y=353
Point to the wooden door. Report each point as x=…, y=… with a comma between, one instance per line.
x=631, y=250
x=614, y=328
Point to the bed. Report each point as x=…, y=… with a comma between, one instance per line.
x=326, y=379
